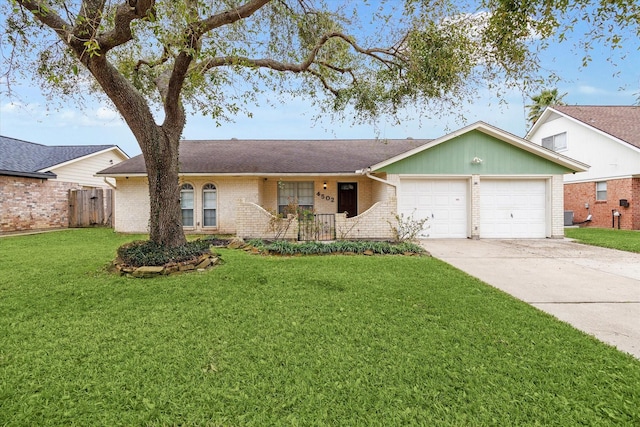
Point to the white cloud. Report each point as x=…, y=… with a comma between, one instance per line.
x=9, y=107
x=67, y=115
x=590, y=90
x=106, y=114
x=586, y=94
x=19, y=108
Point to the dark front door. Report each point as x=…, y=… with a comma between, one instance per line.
x=348, y=198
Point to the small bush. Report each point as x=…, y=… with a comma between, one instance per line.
x=407, y=229
x=146, y=252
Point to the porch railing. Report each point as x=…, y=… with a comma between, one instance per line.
x=317, y=227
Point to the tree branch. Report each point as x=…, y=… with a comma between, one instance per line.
x=384, y=56
x=229, y=16
x=126, y=12
x=174, y=112
x=88, y=20
x=164, y=58
x=43, y=13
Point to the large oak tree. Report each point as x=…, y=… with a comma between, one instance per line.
x=158, y=59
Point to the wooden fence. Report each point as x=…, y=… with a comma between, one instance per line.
x=90, y=208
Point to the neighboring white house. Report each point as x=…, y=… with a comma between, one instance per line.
x=477, y=182
x=608, y=139
x=82, y=170
x=35, y=180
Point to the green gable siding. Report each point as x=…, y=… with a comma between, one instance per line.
x=454, y=157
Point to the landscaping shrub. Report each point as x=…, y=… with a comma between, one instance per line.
x=284, y=247
x=407, y=228
x=146, y=252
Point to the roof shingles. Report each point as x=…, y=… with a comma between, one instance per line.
x=622, y=122
x=22, y=157
x=277, y=156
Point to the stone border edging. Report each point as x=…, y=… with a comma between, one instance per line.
x=202, y=263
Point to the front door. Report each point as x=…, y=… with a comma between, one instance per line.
x=348, y=198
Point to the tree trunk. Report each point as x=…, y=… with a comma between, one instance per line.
x=165, y=216
x=159, y=145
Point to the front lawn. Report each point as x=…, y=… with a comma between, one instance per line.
x=624, y=240
x=265, y=341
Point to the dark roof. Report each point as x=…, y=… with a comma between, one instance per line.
x=622, y=122
x=22, y=158
x=277, y=156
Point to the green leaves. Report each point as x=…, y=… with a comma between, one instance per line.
x=284, y=247
x=546, y=98
x=148, y=253
x=413, y=53
x=92, y=47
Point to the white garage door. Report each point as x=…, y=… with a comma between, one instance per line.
x=442, y=202
x=513, y=209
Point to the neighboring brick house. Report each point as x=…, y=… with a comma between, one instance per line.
x=477, y=182
x=35, y=180
x=608, y=139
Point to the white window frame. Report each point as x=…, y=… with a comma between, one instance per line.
x=601, y=191
x=556, y=142
x=209, y=188
x=186, y=206
x=301, y=191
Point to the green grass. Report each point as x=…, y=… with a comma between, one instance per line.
x=624, y=240
x=302, y=341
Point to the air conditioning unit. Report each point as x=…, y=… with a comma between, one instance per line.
x=568, y=218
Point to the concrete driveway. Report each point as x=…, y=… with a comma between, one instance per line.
x=596, y=290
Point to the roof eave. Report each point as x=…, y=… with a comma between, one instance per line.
x=542, y=119
x=86, y=156
x=596, y=130
x=571, y=164
x=39, y=175
x=240, y=174
x=120, y=175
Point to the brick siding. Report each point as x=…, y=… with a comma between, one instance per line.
x=557, y=207
x=578, y=194
x=253, y=221
x=33, y=204
x=375, y=223
x=245, y=206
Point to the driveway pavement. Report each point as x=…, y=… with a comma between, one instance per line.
x=597, y=290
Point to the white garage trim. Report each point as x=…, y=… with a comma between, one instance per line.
x=443, y=202
x=514, y=208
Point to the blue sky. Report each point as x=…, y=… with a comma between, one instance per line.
x=28, y=116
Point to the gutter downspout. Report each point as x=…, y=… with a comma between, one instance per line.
x=109, y=184
x=367, y=173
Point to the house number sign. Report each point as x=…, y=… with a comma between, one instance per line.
x=325, y=197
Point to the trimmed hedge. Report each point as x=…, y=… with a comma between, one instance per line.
x=284, y=247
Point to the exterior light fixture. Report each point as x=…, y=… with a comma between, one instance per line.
x=476, y=161
x=324, y=186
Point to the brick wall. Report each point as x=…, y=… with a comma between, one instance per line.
x=375, y=223
x=31, y=203
x=578, y=194
x=253, y=221
x=475, y=207
x=634, y=202
x=132, y=205
x=557, y=206
x=376, y=204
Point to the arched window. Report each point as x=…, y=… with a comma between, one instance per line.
x=209, y=205
x=187, y=203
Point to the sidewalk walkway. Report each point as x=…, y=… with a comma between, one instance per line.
x=29, y=232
